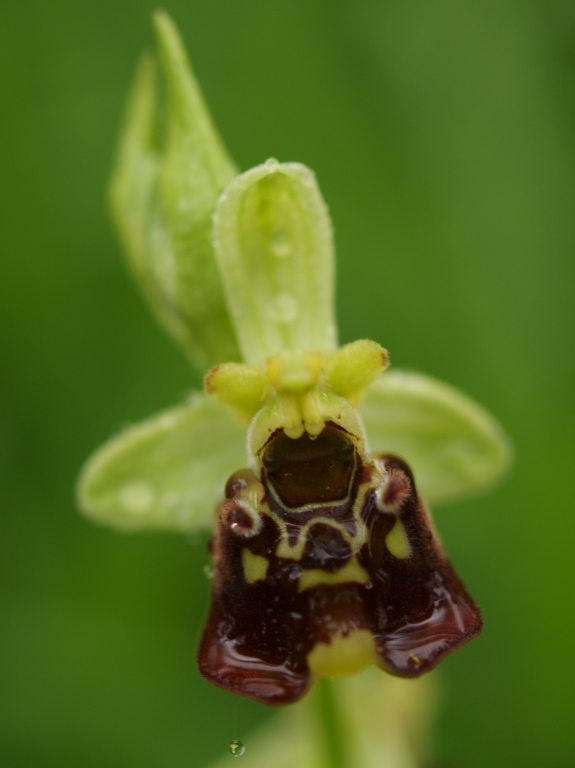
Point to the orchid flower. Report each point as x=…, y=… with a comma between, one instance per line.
x=309, y=461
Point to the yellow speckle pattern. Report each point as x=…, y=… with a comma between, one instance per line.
x=397, y=542
x=255, y=566
x=350, y=572
x=344, y=655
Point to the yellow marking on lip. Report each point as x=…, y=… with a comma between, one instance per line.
x=295, y=551
x=288, y=551
x=397, y=542
x=314, y=577
x=255, y=566
x=344, y=655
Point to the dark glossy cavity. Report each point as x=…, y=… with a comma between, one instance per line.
x=309, y=470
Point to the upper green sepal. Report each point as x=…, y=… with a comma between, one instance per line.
x=166, y=473
x=274, y=246
x=163, y=192
x=454, y=446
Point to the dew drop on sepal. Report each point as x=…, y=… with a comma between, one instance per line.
x=284, y=309
x=281, y=246
x=236, y=748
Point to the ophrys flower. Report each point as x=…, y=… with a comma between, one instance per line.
x=325, y=556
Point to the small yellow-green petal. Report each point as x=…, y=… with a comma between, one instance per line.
x=242, y=387
x=273, y=241
x=167, y=473
x=454, y=446
x=350, y=369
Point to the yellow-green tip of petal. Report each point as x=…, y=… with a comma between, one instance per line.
x=349, y=370
x=299, y=382
x=242, y=387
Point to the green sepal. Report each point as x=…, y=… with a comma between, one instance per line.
x=162, y=194
x=274, y=246
x=454, y=446
x=133, y=197
x=167, y=473
x=195, y=169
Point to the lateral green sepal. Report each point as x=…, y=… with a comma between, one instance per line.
x=454, y=446
x=166, y=473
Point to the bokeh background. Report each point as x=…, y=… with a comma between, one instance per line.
x=443, y=137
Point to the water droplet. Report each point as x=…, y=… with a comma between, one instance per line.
x=236, y=748
x=137, y=497
x=271, y=162
x=280, y=245
x=208, y=571
x=284, y=308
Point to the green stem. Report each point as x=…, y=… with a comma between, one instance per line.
x=331, y=725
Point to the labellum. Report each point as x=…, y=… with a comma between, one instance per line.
x=326, y=560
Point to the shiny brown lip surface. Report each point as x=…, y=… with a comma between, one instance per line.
x=259, y=633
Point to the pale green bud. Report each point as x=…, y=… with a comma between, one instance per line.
x=163, y=193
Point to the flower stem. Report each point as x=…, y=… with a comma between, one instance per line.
x=331, y=725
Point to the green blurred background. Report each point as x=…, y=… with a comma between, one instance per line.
x=443, y=137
